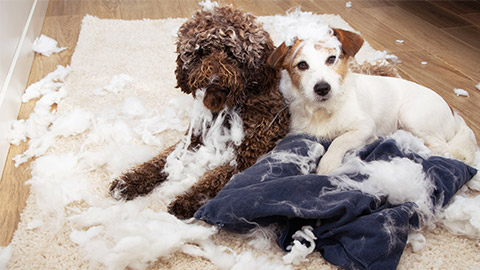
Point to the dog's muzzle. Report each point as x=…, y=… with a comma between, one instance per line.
x=322, y=88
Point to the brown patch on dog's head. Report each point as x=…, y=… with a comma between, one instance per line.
x=282, y=57
x=351, y=42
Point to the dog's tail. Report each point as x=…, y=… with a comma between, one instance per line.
x=463, y=145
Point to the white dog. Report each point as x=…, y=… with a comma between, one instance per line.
x=329, y=101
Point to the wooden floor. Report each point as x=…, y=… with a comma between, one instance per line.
x=445, y=34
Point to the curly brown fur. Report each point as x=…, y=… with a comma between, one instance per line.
x=223, y=51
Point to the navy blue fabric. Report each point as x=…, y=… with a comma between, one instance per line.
x=354, y=230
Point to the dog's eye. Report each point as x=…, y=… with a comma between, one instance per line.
x=331, y=60
x=302, y=65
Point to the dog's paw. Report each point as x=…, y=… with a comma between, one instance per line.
x=182, y=208
x=121, y=190
x=327, y=165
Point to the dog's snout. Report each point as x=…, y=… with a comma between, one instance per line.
x=322, y=88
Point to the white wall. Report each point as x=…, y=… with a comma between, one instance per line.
x=20, y=23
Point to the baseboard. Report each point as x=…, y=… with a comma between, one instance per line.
x=16, y=80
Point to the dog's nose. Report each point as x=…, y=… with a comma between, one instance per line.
x=322, y=88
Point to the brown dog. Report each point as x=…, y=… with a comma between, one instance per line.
x=221, y=52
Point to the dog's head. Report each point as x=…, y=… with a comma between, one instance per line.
x=316, y=68
x=224, y=52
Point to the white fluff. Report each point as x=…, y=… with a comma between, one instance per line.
x=51, y=91
x=462, y=216
x=400, y=41
x=5, y=255
x=129, y=235
x=184, y=167
x=401, y=180
x=382, y=56
x=478, y=86
x=248, y=261
x=298, y=251
x=208, y=4
x=116, y=85
x=46, y=45
x=460, y=92
x=424, y=62
x=74, y=123
x=348, y=4
x=297, y=24
x=416, y=240
x=306, y=164
x=50, y=83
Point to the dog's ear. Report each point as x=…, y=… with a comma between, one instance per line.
x=182, y=77
x=277, y=57
x=351, y=42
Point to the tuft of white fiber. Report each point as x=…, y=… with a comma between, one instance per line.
x=297, y=24
x=416, y=240
x=478, y=86
x=46, y=45
x=116, y=85
x=460, y=92
x=462, y=216
x=5, y=255
x=298, y=251
x=208, y=4
x=184, y=166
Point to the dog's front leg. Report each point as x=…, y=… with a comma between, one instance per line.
x=350, y=140
x=185, y=205
x=142, y=179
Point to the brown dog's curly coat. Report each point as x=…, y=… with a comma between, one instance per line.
x=223, y=51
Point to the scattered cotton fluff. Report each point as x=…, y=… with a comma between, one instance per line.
x=208, y=4
x=246, y=260
x=5, y=255
x=49, y=84
x=400, y=41
x=424, y=62
x=462, y=216
x=116, y=85
x=417, y=241
x=305, y=26
x=51, y=91
x=348, y=4
x=185, y=166
x=130, y=235
x=478, y=86
x=307, y=164
x=401, y=180
x=46, y=45
x=382, y=56
x=298, y=251
x=460, y=92
x=262, y=238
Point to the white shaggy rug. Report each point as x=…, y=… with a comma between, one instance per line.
x=118, y=106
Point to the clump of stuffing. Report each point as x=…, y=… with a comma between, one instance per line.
x=460, y=92
x=305, y=26
x=208, y=4
x=116, y=85
x=417, y=241
x=5, y=254
x=348, y=4
x=478, y=86
x=46, y=45
x=298, y=251
x=462, y=216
